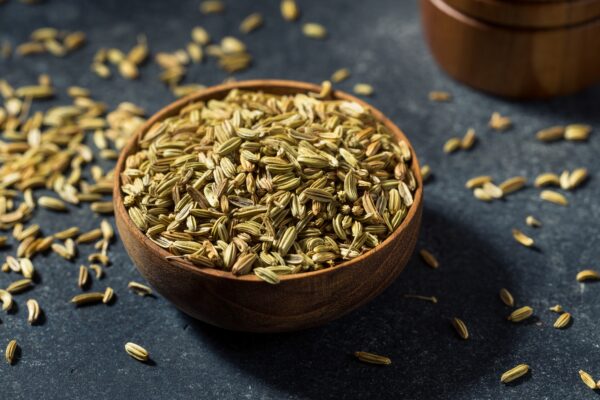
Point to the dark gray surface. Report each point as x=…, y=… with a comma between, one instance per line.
x=78, y=353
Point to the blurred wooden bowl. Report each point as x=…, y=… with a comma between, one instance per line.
x=246, y=303
x=516, y=48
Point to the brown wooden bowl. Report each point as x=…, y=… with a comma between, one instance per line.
x=519, y=49
x=246, y=303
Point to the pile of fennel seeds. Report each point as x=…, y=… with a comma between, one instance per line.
x=268, y=184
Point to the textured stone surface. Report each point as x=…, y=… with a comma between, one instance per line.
x=78, y=353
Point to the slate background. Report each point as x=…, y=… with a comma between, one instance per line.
x=78, y=353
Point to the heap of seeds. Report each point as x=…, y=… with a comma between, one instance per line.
x=269, y=184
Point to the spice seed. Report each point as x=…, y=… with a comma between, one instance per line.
x=33, y=310
x=10, y=352
x=108, y=295
x=371, y=358
x=83, y=279
x=587, y=379
x=507, y=298
x=577, y=132
x=547, y=179
x=452, y=145
x=438, y=95
x=429, y=258
x=52, y=203
x=587, y=275
x=513, y=184
x=340, y=75
x=6, y=299
x=492, y=190
x=363, y=89
x=562, y=321
x=533, y=221
x=289, y=10
x=554, y=197
x=212, y=7
x=557, y=309
x=136, y=351
x=551, y=134
x=251, y=23
x=139, y=289
x=314, y=30
x=19, y=286
x=87, y=298
x=499, y=122
x=469, y=139
x=514, y=373
x=577, y=177
x=432, y=299
x=522, y=238
x=478, y=181
x=520, y=314
x=460, y=328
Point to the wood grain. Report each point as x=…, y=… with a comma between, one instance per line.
x=511, y=60
x=246, y=303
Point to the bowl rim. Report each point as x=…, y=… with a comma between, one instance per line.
x=278, y=86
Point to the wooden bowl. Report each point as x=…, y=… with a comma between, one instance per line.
x=520, y=49
x=246, y=303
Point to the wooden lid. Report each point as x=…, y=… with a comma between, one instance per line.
x=530, y=13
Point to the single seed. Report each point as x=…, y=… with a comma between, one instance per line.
x=438, y=95
x=522, y=238
x=478, y=181
x=460, y=328
x=425, y=172
x=499, y=122
x=557, y=309
x=251, y=23
x=577, y=132
x=97, y=270
x=128, y=70
x=507, y=298
x=371, y=358
x=289, y=10
x=52, y=203
x=10, y=352
x=363, y=89
x=577, y=177
x=139, y=289
x=468, y=140
x=551, y=134
x=314, y=30
x=533, y=221
x=587, y=275
x=108, y=295
x=6, y=299
x=83, y=278
x=19, y=286
x=89, y=236
x=340, y=75
x=562, y=321
x=102, y=207
x=514, y=373
x=87, y=298
x=432, y=299
x=212, y=7
x=429, y=258
x=520, y=314
x=513, y=184
x=136, y=351
x=554, y=197
x=452, y=145
x=587, y=379
x=547, y=179
x=33, y=310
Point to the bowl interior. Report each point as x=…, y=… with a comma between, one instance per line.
x=281, y=87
